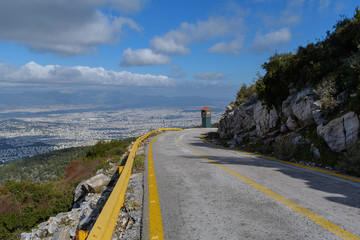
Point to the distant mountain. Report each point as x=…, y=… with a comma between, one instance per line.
x=102, y=98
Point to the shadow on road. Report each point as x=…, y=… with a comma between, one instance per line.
x=350, y=192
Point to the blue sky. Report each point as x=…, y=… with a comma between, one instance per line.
x=173, y=48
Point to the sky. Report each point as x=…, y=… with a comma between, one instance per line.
x=171, y=48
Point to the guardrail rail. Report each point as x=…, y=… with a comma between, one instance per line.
x=105, y=224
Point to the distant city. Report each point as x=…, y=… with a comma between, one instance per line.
x=31, y=132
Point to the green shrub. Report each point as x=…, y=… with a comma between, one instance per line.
x=244, y=94
x=111, y=148
x=38, y=203
x=326, y=90
x=350, y=160
x=257, y=147
x=285, y=149
x=138, y=165
x=337, y=57
x=41, y=168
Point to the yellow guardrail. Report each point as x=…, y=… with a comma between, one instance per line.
x=105, y=224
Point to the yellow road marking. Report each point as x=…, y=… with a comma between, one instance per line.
x=155, y=219
x=290, y=163
x=340, y=232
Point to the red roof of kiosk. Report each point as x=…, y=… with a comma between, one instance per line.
x=204, y=108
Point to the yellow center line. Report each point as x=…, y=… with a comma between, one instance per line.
x=155, y=220
x=290, y=163
x=340, y=232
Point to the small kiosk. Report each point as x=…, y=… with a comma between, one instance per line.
x=206, y=117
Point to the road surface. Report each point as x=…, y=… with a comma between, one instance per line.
x=198, y=191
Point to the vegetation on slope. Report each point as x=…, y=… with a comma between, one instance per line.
x=25, y=204
x=332, y=66
x=41, y=168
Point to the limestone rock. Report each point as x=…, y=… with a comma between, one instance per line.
x=317, y=113
x=91, y=185
x=291, y=124
x=79, y=191
x=62, y=235
x=340, y=132
x=303, y=105
x=97, y=182
x=286, y=106
x=237, y=121
x=265, y=118
x=25, y=236
x=318, y=117
x=300, y=104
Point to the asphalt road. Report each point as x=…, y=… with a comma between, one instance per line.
x=207, y=192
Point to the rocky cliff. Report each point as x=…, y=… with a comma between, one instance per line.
x=298, y=127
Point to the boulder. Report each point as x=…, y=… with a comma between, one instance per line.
x=97, y=182
x=340, y=132
x=79, y=191
x=237, y=121
x=302, y=106
x=265, y=118
x=286, y=106
x=291, y=124
x=317, y=113
x=318, y=117
x=91, y=185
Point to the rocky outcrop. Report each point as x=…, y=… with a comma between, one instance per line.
x=340, y=132
x=62, y=226
x=303, y=105
x=237, y=120
x=265, y=118
x=82, y=216
x=254, y=121
x=297, y=111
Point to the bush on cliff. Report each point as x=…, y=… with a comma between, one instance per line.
x=336, y=57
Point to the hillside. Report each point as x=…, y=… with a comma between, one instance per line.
x=41, y=168
x=26, y=203
x=306, y=107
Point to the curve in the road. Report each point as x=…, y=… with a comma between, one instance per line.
x=197, y=200
x=278, y=160
x=303, y=211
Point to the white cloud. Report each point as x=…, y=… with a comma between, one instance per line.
x=128, y=6
x=291, y=15
x=64, y=27
x=268, y=42
x=232, y=47
x=54, y=76
x=143, y=57
x=210, y=76
x=175, y=41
